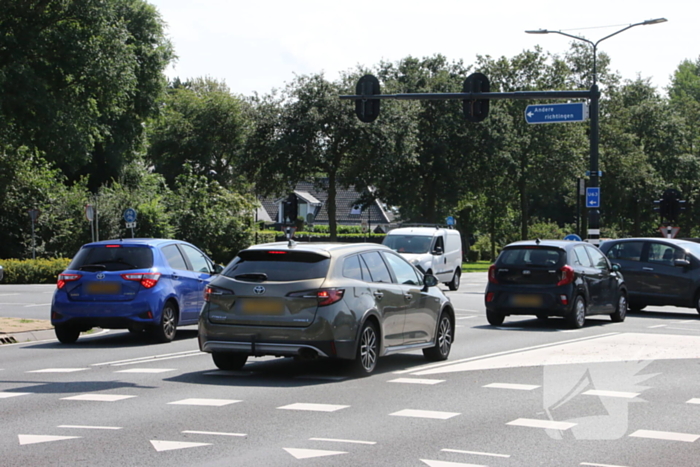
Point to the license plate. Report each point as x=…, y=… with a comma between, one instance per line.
x=103, y=288
x=527, y=300
x=262, y=307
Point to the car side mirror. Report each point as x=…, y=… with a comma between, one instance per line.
x=438, y=250
x=430, y=281
x=616, y=267
x=681, y=263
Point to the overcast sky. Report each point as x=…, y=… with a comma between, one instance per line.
x=255, y=46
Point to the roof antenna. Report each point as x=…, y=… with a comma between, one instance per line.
x=537, y=241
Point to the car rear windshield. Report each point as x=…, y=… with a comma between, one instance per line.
x=272, y=265
x=112, y=258
x=531, y=256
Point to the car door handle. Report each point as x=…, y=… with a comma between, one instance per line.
x=408, y=296
x=379, y=295
x=647, y=269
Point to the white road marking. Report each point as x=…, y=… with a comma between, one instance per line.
x=37, y=304
x=665, y=435
x=416, y=381
x=425, y=414
x=97, y=397
x=150, y=358
x=214, y=433
x=614, y=347
x=432, y=463
x=58, y=370
x=311, y=453
x=87, y=427
x=314, y=407
x=6, y=395
x=682, y=329
x=625, y=395
x=35, y=439
x=172, y=445
x=476, y=453
x=548, y=424
x=145, y=370
x=693, y=401
x=520, y=387
x=205, y=402
x=434, y=366
x=466, y=317
x=351, y=441
x=658, y=326
x=7, y=295
x=600, y=465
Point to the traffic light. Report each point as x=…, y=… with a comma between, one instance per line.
x=367, y=110
x=670, y=205
x=476, y=110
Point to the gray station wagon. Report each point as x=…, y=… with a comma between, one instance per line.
x=354, y=302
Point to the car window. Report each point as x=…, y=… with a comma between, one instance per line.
x=174, y=257
x=660, y=253
x=377, y=267
x=112, y=258
x=628, y=251
x=198, y=260
x=408, y=243
x=352, y=269
x=439, y=243
x=597, y=258
x=404, y=272
x=273, y=265
x=580, y=257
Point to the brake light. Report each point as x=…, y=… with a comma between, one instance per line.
x=64, y=278
x=492, y=274
x=567, y=275
x=277, y=252
x=113, y=246
x=329, y=296
x=489, y=297
x=207, y=293
x=147, y=280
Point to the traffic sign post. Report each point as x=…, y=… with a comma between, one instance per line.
x=556, y=113
x=33, y=215
x=593, y=197
x=130, y=219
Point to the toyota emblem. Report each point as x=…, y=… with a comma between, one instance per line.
x=100, y=276
x=259, y=290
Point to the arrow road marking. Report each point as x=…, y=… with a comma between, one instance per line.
x=310, y=453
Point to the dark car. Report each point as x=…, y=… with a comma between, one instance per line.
x=658, y=271
x=137, y=284
x=354, y=302
x=554, y=278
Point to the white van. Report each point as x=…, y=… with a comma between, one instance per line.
x=434, y=250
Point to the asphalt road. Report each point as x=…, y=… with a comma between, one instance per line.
x=526, y=393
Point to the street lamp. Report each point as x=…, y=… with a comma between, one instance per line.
x=594, y=214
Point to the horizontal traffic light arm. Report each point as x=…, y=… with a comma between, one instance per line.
x=519, y=95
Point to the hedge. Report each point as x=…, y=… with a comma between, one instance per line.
x=33, y=271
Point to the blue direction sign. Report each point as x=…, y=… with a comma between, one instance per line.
x=450, y=220
x=593, y=197
x=572, y=238
x=130, y=215
x=556, y=113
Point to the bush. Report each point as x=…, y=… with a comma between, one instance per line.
x=33, y=271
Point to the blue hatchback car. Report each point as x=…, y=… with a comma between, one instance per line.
x=140, y=284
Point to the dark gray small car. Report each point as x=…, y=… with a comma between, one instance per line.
x=355, y=302
x=658, y=271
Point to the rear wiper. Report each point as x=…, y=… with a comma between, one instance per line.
x=253, y=276
x=96, y=267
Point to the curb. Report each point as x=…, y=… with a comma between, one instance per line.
x=28, y=336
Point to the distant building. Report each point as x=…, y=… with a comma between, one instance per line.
x=312, y=206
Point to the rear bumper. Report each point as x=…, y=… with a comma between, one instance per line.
x=505, y=300
x=112, y=315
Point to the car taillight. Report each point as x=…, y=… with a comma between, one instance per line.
x=207, y=293
x=492, y=274
x=566, y=274
x=63, y=278
x=329, y=296
x=147, y=280
x=489, y=297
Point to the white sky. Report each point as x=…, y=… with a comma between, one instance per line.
x=258, y=45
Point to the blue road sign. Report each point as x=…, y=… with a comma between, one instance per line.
x=593, y=197
x=130, y=215
x=450, y=220
x=572, y=238
x=556, y=113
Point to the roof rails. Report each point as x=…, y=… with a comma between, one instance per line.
x=437, y=226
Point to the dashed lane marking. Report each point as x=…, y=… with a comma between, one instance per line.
x=665, y=436
x=425, y=414
x=35, y=439
x=205, y=402
x=88, y=427
x=693, y=401
x=476, y=453
x=6, y=395
x=311, y=453
x=58, y=370
x=214, y=433
x=314, y=407
x=432, y=463
x=624, y=395
x=167, y=356
x=547, y=424
x=161, y=446
x=658, y=326
x=600, y=465
x=97, y=397
x=417, y=381
x=351, y=441
x=519, y=387
x=145, y=370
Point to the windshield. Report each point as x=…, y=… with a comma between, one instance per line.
x=262, y=265
x=408, y=243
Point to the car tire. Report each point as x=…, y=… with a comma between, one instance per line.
x=577, y=318
x=443, y=340
x=67, y=334
x=228, y=361
x=367, y=350
x=454, y=285
x=495, y=318
x=165, y=331
x=621, y=311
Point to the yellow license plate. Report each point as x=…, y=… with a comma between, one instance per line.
x=103, y=288
x=527, y=300
x=262, y=307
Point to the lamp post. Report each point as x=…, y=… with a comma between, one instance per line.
x=594, y=214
